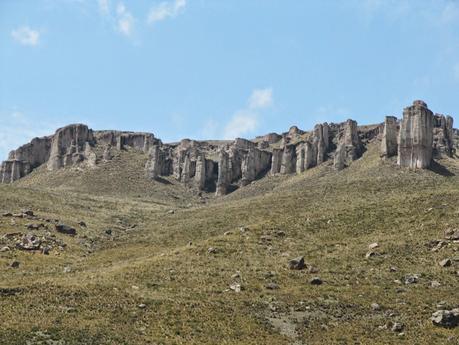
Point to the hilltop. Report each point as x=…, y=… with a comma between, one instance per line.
x=118, y=238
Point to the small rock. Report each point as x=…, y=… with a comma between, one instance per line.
x=373, y=245
x=82, y=224
x=108, y=232
x=65, y=229
x=397, y=327
x=435, y=283
x=7, y=214
x=452, y=234
x=67, y=269
x=297, y=263
x=211, y=250
x=142, y=306
x=15, y=264
x=446, y=318
x=371, y=254
x=445, y=263
x=34, y=226
x=272, y=286
x=45, y=250
x=375, y=306
x=171, y=212
x=392, y=269
x=27, y=213
x=411, y=279
x=226, y=233
x=316, y=281
x=5, y=249
x=236, y=287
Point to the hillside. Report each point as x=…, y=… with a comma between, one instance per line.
x=155, y=261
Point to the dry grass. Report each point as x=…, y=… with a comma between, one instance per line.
x=329, y=217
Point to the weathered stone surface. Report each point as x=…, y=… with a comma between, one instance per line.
x=446, y=318
x=153, y=165
x=389, y=145
x=107, y=154
x=288, y=164
x=321, y=141
x=300, y=158
x=200, y=176
x=276, y=161
x=224, y=173
x=416, y=137
x=349, y=145
x=68, y=145
x=442, y=136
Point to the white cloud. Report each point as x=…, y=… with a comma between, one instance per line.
x=104, y=7
x=166, y=9
x=242, y=123
x=26, y=36
x=261, y=98
x=124, y=20
x=245, y=121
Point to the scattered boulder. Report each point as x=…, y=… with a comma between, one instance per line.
x=397, y=327
x=452, y=235
x=411, y=279
x=316, y=281
x=373, y=245
x=446, y=318
x=211, y=250
x=445, y=263
x=375, y=307
x=297, y=263
x=15, y=264
x=236, y=287
x=65, y=229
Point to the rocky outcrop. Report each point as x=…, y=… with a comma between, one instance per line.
x=68, y=146
x=224, y=173
x=443, y=144
x=416, y=137
x=349, y=146
x=288, y=163
x=389, y=145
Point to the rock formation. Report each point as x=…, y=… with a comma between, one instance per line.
x=442, y=136
x=68, y=146
x=223, y=166
x=416, y=137
x=349, y=146
x=389, y=145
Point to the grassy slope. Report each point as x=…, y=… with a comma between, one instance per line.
x=329, y=217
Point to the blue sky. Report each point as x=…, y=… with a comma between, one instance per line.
x=221, y=68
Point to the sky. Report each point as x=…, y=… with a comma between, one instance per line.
x=214, y=69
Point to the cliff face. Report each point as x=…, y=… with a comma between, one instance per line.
x=223, y=166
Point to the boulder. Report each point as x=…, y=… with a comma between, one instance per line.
x=65, y=229
x=443, y=143
x=446, y=318
x=416, y=137
x=297, y=263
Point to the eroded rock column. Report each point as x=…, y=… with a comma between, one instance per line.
x=416, y=137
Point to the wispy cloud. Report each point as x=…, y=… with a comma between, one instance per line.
x=165, y=10
x=17, y=129
x=26, y=36
x=261, y=98
x=124, y=20
x=245, y=121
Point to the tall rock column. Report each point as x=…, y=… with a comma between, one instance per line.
x=276, y=161
x=300, y=158
x=349, y=148
x=224, y=173
x=153, y=166
x=389, y=144
x=288, y=164
x=200, y=175
x=416, y=137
